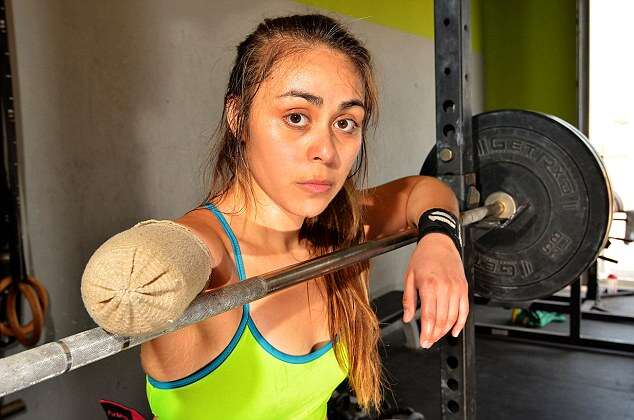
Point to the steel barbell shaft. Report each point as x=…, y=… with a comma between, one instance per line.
x=49, y=360
x=475, y=215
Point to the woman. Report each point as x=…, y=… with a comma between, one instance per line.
x=300, y=100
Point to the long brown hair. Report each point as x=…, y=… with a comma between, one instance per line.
x=340, y=225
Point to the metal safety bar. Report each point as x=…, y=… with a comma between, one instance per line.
x=49, y=360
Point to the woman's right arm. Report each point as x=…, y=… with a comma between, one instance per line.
x=141, y=279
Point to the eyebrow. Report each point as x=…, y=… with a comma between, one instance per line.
x=318, y=100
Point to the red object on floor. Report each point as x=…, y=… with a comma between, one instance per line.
x=116, y=411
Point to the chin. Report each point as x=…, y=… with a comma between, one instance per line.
x=311, y=207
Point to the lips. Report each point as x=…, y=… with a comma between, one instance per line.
x=316, y=185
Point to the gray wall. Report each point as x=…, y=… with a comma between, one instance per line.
x=116, y=104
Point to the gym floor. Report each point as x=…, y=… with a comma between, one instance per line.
x=522, y=381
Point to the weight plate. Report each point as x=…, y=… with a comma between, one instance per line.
x=565, y=199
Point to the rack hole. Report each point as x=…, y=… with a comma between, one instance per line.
x=466, y=28
x=446, y=21
x=448, y=130
x=453, y=406
x=452, y=362
x=466, y=77
x=448, y=106
x=452, y=384
x=447, y=71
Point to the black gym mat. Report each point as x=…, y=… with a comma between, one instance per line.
x=519, y=381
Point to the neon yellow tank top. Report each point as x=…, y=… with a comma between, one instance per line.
x=250, y=379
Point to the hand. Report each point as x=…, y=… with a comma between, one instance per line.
x=435, y=274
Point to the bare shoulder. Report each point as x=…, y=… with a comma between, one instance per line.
x=202, y=223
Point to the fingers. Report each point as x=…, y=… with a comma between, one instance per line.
x=462, y=317
x=443, y=308
x=409, y=298
x=452, y=309
x=427, y=318
x=442, y=311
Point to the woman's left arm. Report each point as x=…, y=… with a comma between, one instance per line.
x=435, y=273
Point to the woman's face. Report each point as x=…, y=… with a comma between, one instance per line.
x=305, y=131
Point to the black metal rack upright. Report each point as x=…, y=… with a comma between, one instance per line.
x=11, y=256
x=455, y=151
x=8, y=133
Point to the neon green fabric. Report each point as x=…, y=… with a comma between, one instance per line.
x=253, y=384
x=250, y=379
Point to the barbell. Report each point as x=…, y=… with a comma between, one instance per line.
x=546, y=216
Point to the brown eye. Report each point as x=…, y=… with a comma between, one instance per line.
x=348, y=125
x=296, y=119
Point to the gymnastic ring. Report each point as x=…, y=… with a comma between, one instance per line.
x=27, y=335
x=42, y=296
x=36, y=296
x=43, y=302
x=33, y=283
x=40, y=290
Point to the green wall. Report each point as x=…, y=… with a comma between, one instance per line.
x=410, y=16
x=529, y=55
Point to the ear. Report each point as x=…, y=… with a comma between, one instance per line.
x=232, y=109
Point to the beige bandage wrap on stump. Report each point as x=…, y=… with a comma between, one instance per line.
x=142, y=278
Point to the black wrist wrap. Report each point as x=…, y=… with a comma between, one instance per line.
x=440, y=221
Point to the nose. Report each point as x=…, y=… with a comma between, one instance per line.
x=322, y=147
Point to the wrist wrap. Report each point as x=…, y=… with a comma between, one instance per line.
x=440, y=221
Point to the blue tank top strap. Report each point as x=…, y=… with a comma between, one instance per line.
x=237, y=255
x=235, y=246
